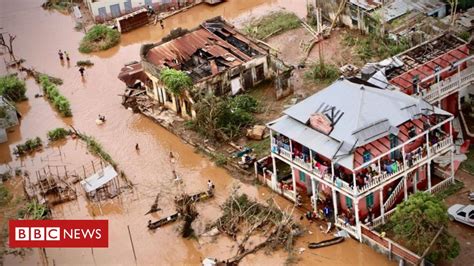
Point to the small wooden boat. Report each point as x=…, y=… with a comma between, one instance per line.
x=197, y=197
x=326, y=243
x=163, y=221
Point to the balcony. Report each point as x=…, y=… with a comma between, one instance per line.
x=414, y=159
x=446, y=87
x=306, y=165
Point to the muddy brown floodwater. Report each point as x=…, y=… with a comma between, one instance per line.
x=39, y=36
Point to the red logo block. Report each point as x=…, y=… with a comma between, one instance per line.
x=59, y=233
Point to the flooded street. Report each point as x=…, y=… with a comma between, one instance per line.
x=40, y=34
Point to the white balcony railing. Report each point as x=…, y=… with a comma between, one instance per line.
x=449, y=86
x=302, y=163
x=382, y=178
x=441, y=185
x=349, y=228
x=378, y=221
x=441, y=145
x=391, y=199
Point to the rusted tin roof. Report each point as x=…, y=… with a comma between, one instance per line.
x=129, y=74
x=181, y=49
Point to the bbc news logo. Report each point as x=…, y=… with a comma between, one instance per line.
x=58, y=233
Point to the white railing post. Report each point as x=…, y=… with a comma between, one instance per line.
x=382, y=207
x=274, y=175
x=334, y=201
x=405, y=186
x=294, y=182
x=315, y=200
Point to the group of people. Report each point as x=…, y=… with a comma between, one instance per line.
x=62, y=54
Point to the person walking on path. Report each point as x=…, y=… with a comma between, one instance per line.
x=60, y=55
x=82, y=69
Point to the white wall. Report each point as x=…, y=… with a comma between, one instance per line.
x=94, y=6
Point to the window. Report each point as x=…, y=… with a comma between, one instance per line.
x=393, y=143
x=168, y=97
x=462, y=214
x=369, y=200
x=348, y=202
x=302, y=177
x=412, y=132
x=366, y=156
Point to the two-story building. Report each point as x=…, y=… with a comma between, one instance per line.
x=359, y=150
x=220, y=61
x=440, y=70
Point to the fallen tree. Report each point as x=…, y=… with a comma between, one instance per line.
x=246, y=217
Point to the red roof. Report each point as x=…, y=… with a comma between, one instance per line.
x=404, y=81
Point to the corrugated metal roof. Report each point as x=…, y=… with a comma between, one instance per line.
x=367, y=5
x=369, y=114
x=99, y=179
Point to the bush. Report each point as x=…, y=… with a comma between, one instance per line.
x=175, y=80
x=54, y=96
x=223, y=118
x=276, y=21
x=322, y=72
x=12, y=88
x=98, y=38
x=5, y=195
x=29, y=146
x=86, y=63
x=58, y=133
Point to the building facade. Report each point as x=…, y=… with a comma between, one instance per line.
x=103, y=10
x=220, y=61
x=8, y=118
x=361, y=154
x=439, y=70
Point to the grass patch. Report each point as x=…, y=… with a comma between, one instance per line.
x=55, y=97
x=29, y=146
x=465, y=35
x=94, y=147
x=265, y=26
x=84, y=63
x=260, y=147
x=60, y=5
x=58, y=134
x=99, y=38
x=372, y=47
x=468, y=164
x=321, y=72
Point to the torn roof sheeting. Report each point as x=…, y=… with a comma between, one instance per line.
x=367, y=5
x=193, y=52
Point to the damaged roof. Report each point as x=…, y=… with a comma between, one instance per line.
x=363, y=115
x=210, y=49
x=131, y=73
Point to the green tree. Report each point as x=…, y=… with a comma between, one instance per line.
x=175, y=80
x=12, y=88
x=416, y=222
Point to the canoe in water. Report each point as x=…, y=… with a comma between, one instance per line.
x=326, y=243
x=163, y=221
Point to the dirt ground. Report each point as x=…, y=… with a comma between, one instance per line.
x=462, y=232
x=290, y=46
